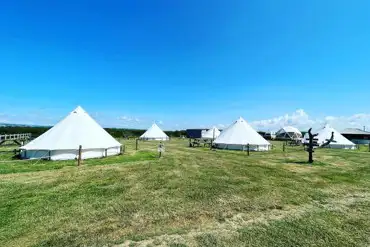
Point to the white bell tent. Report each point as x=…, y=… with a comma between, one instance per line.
x=211, y=134
x=289, y=133
x=238, y=135
x=325, y=133
x=154, y=133
x=62, y=141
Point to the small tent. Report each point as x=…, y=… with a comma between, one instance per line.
x=62, y=141
x=324, y=134
x=211, y=134
x=238, y=135
x=288, y=133
x=154, y=133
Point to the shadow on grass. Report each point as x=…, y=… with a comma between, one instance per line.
x=301, y=162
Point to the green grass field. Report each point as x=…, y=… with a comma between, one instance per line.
x=189, y=197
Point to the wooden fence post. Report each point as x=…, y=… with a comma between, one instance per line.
x=283, y=147
x=248, y=149
x=136, y=143
x=160, y=149
x=79, y=155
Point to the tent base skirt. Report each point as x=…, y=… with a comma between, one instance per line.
x=154, y=139
x=243, y=147
x=69, y=154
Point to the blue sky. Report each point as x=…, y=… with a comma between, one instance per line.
x=186, y=63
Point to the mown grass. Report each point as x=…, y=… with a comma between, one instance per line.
x=189, y=197
x=8, y=164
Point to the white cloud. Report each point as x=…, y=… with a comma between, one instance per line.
x=329, y=118
x=354, y=121
x=125, y=118
x=128, y=119
x=303, y=121
x=29, y=118
x=299, y=118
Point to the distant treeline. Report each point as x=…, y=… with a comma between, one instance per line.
x=116, y=132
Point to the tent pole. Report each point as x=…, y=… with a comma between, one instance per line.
x=79, y=155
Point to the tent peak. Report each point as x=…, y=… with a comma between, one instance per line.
x=79, y=109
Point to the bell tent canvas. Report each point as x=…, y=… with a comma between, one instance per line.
x=62, y=141
x=325, y=133
x=211, y=134
x=288, y=133
x=154, y=133
x=238, y=135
